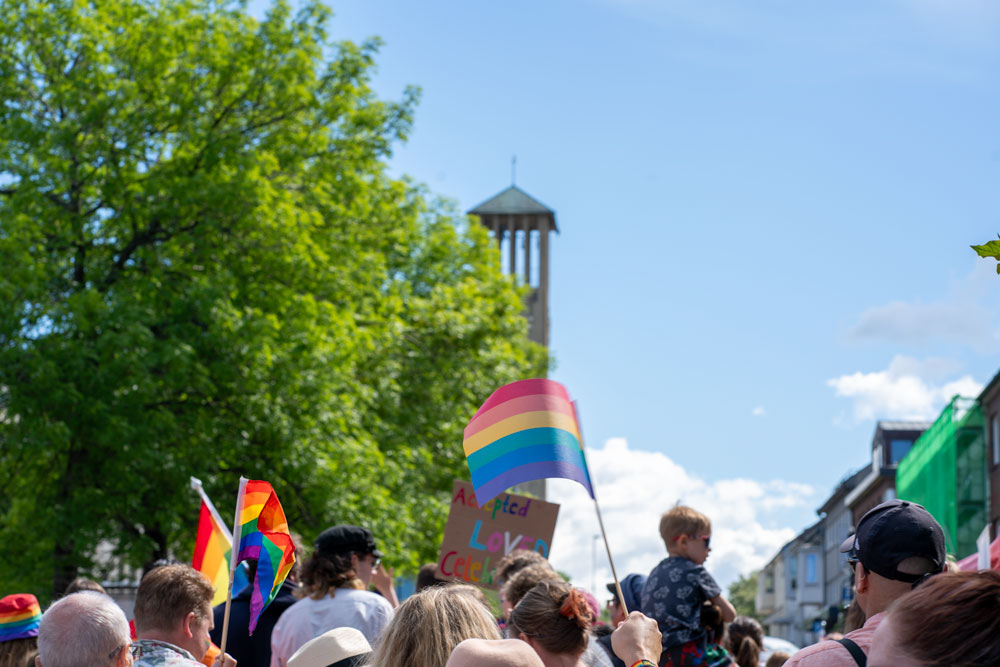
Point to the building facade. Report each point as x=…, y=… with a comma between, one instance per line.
x=890, y=443
x=790, y=589
x=838, y=524
x=989, y=403
x=946, y=473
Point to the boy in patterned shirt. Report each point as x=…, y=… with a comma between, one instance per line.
x=677, y=587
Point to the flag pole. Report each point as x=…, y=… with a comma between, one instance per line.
x=196, y=485
x=600, y=520
x=233, y=561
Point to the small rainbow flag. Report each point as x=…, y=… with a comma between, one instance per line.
x=211, y=554
x=213, y=546
x=262, y=531
x=525, y=430
x=20, y=616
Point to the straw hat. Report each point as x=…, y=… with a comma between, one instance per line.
x=340, y=646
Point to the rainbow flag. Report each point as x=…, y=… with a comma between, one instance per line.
x=20, y=616
x=525, y=430
x=213, y=545
x=262, y=531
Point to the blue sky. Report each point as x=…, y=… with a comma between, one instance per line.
x=766, y=210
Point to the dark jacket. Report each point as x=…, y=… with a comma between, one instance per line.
x=252, y=651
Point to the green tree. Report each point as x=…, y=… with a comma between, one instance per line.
x=207, y=271
x=743, y=594
x=989, y=249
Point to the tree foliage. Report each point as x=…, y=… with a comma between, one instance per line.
x=743, y=595
x=207, y=271
x=989, y=249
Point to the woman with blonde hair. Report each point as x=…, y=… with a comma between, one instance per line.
x=430, y=624
x=554, y=619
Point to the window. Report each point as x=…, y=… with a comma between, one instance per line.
x=898, y=449
x=812, y=576
x=793, y=570
x=996, y=440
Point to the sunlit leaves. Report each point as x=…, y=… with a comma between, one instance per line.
x=206, y=271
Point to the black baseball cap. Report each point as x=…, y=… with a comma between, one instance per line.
x=892, y=532
x=343, y=539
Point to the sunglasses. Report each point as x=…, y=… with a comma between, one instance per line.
x=706, y=538
x=134, y=650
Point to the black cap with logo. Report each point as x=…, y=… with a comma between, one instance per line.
x=892, y=532
x=346, y=539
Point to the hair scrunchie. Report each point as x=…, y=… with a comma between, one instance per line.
x=575, y=608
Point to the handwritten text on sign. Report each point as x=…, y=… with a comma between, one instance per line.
x=475, y=538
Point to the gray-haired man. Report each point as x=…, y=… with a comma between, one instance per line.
x=85, y=628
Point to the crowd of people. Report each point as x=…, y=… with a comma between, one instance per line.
x=914, y=613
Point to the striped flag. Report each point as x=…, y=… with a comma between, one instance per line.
x=262, y=532
x=525, y=430
x=213, y=547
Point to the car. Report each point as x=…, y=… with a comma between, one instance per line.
x=773, y=644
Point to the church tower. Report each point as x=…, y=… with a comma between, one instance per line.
x=521, y=226
x=516, y=218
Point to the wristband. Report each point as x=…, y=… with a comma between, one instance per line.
x=644, y=663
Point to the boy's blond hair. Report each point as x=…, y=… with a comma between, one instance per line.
x=682, y=520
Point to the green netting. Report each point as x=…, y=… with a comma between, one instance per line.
x=945, y=471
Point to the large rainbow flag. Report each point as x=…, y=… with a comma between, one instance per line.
x=262, y=531
x=213, y=545
x=525, y=430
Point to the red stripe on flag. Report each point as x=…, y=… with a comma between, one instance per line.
x=205, y=530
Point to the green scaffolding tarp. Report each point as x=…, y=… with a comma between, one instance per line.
x=946, y=473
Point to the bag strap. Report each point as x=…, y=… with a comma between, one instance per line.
x=855, y=651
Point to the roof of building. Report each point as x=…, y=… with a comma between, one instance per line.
x=910, y=425
x=514, y=201
x=809, y=536
x=990, y=388
x=845, y=486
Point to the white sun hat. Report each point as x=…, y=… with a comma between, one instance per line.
x=330, y=648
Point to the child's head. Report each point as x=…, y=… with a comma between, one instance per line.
x=685, y=532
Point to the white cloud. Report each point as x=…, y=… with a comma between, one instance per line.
x=965, y=322
x=908, y=389
x=963, y=18
x=759, y=411
x=635, y=487
x=967, y=316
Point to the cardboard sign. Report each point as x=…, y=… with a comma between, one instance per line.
x=475, y=538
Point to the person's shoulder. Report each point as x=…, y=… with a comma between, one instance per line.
x=377, y=600
x=361, y=598
x=160, y=654
x=664, y=564
x=303, y=607
x=826, y=652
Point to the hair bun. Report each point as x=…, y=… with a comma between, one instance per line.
x=575, y=608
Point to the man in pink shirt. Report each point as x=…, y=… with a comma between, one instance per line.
x=896, y=546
